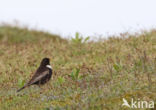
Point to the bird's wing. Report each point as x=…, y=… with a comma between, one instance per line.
x=38, y=77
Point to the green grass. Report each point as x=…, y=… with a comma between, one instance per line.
x=87, y=75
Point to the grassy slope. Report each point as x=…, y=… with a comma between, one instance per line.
x=109, y=70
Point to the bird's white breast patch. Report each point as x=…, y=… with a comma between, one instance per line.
x=49, y=66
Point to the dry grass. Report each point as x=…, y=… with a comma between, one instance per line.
x=109, y=70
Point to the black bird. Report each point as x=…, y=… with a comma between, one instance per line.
x=42, y=75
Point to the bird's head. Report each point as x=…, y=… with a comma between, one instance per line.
x=45, y=61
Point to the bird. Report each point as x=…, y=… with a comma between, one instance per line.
x=42, y=75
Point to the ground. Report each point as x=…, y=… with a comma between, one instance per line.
x=87, y=75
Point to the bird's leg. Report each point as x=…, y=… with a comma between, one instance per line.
x=39, y=85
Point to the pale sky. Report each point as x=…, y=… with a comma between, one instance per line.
x=89, y=17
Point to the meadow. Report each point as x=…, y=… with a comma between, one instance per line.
x=87, y=75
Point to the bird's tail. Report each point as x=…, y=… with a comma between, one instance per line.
x=22, y=88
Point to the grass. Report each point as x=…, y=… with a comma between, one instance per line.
x=87, y=75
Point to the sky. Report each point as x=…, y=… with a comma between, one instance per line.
x=89, y=17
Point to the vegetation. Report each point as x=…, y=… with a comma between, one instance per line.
x=87, y=75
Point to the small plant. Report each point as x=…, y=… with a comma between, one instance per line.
x=60, y=80
x=21, y=83
x=79, y=39
x=75, y=74
x=117, y=67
